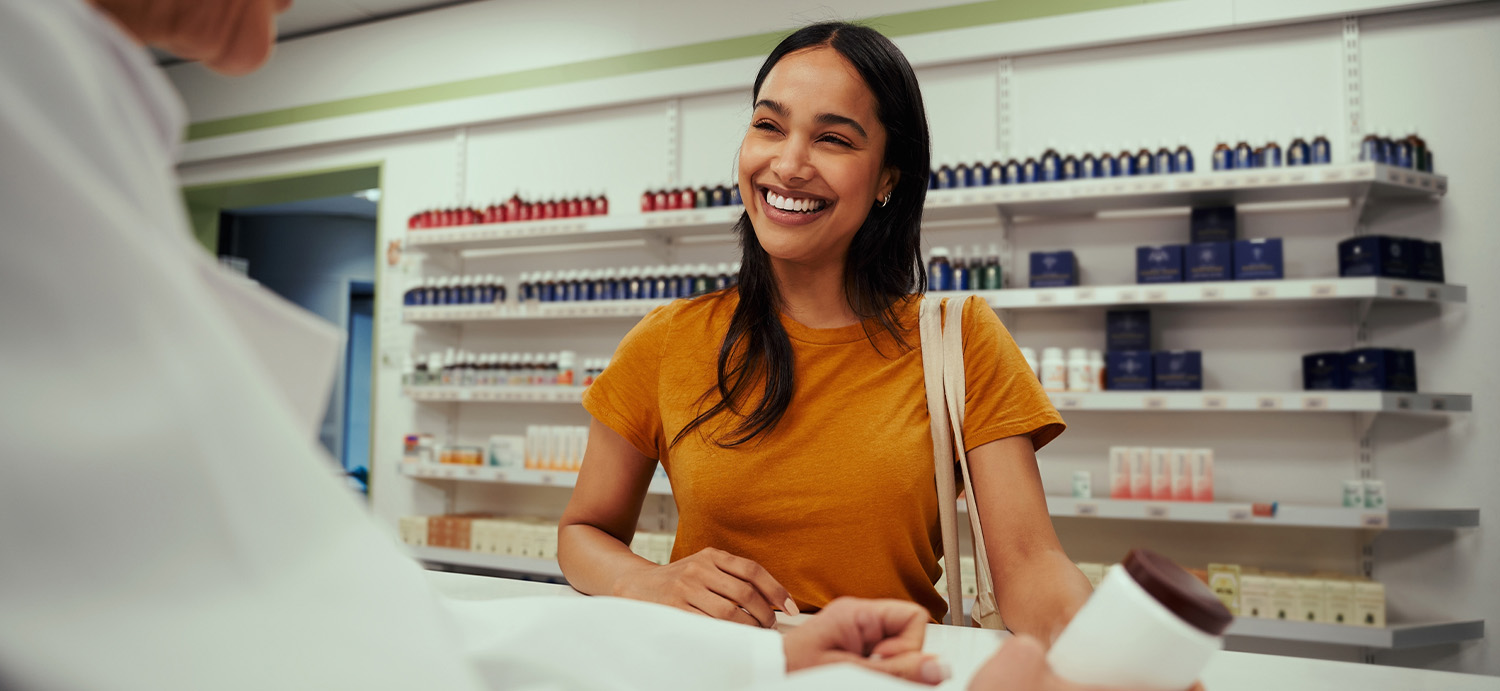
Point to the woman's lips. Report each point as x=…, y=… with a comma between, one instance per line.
x=790, y=218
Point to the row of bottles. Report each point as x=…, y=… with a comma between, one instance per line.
x=1408, y=152
x=1053, y=166
x=631, y=283
x=513, y=209
x=1300, y=152
x=456, y=290
x=689, y=197
x=957, y=272
x=463, y=368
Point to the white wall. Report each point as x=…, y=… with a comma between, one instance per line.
x=1435, y=68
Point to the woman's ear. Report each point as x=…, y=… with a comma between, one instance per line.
x=889, y=176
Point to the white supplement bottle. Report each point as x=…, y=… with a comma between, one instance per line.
x=1149, y=625
x=1080, y=370
x=1054, y=370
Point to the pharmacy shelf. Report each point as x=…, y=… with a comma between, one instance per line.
x=596, y=309
x=508, y=476
x=1360, y=182
x=1221, y=292
x=1390, y=637
x=1243, y=514
x=496, y=394
x=499, y=562
x=1263, y=402
x=658, y=224
x=1207, y=293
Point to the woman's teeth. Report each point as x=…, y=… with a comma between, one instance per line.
x=805, y=206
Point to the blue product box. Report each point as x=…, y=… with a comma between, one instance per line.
x=1209, y=261
x=1324, y=372
x=1377, y=255
x=1158, y=264
x=1256, y=260
x=1381, y=369
x=1054, y=269
x=1127, y=330
x=1429, y=260
x=1214, y=224
x=1180, y=370
x=1127, y=370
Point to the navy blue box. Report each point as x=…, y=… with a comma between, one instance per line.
x=1054, y=269
x=1127, y=370
x=1256, y=260
x=1158, y=264
x=1429, y=260
x=1127, y=330
x=1381, y=369
x=1378, y=255
x=1324, y=372
x=1180, y=370
x=1214, y=224
x=1209, y=261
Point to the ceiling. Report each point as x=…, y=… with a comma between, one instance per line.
x=309, y=17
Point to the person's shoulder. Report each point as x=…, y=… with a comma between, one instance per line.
x=698, y=313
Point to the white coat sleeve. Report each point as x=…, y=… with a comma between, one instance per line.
x=585, y=644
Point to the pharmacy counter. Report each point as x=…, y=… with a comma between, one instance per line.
x=965, y=649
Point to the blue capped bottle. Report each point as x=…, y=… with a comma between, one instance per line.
x=1164, y=163
x=1030, y=171
x=1270, y=156
x=1050, y=169
x=1223, y=157
x=1244, y=154
x=1298, y=153
x=996, y=171
x=1088, y=166
x=1182, y=158
x=1322, y=152
x=939, y=270
x=1109, y=167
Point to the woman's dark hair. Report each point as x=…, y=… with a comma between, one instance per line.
x=884, y=262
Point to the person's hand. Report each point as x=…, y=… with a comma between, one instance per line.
x=882, y=635
x=712, y=582
x=1021, y=665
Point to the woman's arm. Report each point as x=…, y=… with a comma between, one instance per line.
x=1037, y=587
x=594, y=535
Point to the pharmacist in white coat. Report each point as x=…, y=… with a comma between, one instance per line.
x=167, y=520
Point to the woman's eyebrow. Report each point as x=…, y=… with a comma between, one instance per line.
x=822, y=119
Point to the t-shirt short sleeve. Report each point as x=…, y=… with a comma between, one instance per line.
x=1002, y=397
x=625, y=397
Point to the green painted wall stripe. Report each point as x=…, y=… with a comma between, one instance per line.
x=901, y=24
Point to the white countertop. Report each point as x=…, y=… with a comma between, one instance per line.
x=966, y=648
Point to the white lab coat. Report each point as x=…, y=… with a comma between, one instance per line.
x=167, y=520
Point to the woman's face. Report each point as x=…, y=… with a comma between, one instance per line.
x=811, y=162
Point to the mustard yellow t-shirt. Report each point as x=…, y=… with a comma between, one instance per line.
x=840, y=498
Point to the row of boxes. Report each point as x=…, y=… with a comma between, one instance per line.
x=1240, y=260
x=1363, y=369
x=1391, y=257
x=1323, y=599
x=1160, y=474
x=522, y=537
x=1141, y=370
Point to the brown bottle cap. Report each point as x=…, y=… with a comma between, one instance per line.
x=1179, y=591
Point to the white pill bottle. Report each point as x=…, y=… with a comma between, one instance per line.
x=1150, y=625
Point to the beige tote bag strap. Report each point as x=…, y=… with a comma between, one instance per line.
x=930, y=330
x=986, y=611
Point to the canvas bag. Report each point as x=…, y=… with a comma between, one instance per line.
x=943, y=370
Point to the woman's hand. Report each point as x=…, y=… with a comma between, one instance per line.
x=715, y=583
x=882, y=635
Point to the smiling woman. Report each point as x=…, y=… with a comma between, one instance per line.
x=790, y=412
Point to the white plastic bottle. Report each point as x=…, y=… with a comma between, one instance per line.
x=1149, y=625
x=1080, y=371
x=1054, y=370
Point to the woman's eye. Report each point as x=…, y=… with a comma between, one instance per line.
x=768, y=127
x=836, y=140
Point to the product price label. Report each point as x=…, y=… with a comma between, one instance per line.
x=1212, y=292
x=1434, y=294
x=1273, y=179
x=1268, y=403
x=1083, y=294
x=1215, y=403
x=1335, y=175
x=1263, y=292
x=1127, y=296
x=1403, y=403
x=1046, y=297
x=1374, y=520
x=1439, y=403
x=466, y=395
x=1087, y=509
x=1156, y=295
x=1315, y=403
x=1324, y=290
x=1239, y=513
x=1398, y=291
x=966, y=199
x=1252, y=180
x=1156, y=403
x=1070, y=402
x=1297, y=178
x=472, y=471
x=1156, y=511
